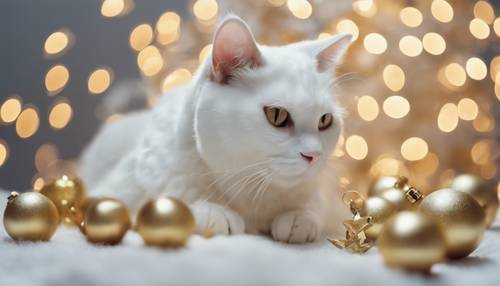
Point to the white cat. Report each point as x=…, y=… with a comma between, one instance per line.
x=244, y=143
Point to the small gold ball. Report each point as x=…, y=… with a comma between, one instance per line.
x=479, y=190
x=460, y=217
x=412, y=241
x=165, y=222
x=382, y=184
x=30, y=216
x=66, y=193
x=398, y=198
x=380, y=210
x=106, y=221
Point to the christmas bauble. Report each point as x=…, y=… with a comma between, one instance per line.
x=106, y=221
x=398, y=198
x=30, y=216
x=479, y=190
x=165, y=222
x=460, y=217
x=382, y=184
x=380, y=210
x=68, y=194
x=412, y=241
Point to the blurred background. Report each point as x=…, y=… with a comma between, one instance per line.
x=421, y=83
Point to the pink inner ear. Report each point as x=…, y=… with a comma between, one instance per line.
x=332, y=54
x=234, y=47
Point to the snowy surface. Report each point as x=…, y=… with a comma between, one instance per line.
x=238, y=260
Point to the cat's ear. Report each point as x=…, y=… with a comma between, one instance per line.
x=234, y=47
x=329, y=52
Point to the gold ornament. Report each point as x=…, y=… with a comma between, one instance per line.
x=479, y=190
x=461, y=218
x=382, y=184
x=355, y=238
x=165, y=222
x=380, y=210
x=106, y=221
x=30, y=216
x=412, y=241
x=68, y=194
x=402, y=195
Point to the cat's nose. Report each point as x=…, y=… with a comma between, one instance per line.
x=311, y=157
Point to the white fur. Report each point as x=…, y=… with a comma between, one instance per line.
x=209, y=143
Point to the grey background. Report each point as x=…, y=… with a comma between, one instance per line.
x=24, y=26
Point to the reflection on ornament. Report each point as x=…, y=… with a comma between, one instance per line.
x=412, y=241
x=165, y=222
x=68, y=194
x=382, y=184
x=106, y=221
x=460, y=217
x=30, y=216
x=380, y=210
x=479, y=190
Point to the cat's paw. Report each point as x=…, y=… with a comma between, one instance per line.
x=295, y=227
x=216, y=219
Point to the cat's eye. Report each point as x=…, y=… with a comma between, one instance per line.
x=325, y=121
x=277, y=116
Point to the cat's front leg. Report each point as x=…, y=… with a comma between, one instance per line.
x=299, y=226
x=217, y=219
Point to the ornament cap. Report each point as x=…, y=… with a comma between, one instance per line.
x=12, y=196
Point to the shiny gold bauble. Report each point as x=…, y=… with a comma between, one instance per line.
x=460, y=217
x=382, y=184
x=68, y=194
x=165, y=222
x=398, y=198
x=30, y=216
x=380, y=210
x=412, y=241
x=106, y=221
x=479, y=190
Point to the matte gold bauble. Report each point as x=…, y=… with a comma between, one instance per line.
x=460, y=217
x=398, y=198
x=165, y=222
x=412, y=241
x=382, y=184
x=106, y=221
x=30, y=216
x=379, y=210
x=479, y=190
x=68, y=194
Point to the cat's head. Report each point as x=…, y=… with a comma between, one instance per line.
x=268, y=109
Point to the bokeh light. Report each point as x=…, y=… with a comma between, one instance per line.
x=396, y=106
x=56, y=78
x=176, y=78
x=365, y=8
x=442, y=11
x=410, y=46
x=394, y=77
x=27, y=122
x=348, y=26
x=448, y=117
x=479, y=29
x=277, y=3
x=496, y=26
x=141, y=36
x=411, y=16
x=168, y=28
x=38, y=184
x=467, y=109
x=368, y=108
x=356, y=147
x=455, y=74
x=414, y=149
x=10, y=109
x=301, y=9
x=375, y=43
x=204, y=53
x=46, y=155
x=114, y=8
x=495, y=69
x=484, y=11
x=483, y=123
x=56, y=42
x=60, y=115
x=150, y=61
x=434, y=43
x=4, y=152
x=205, y=10
x=476, y=68
x=481, y=152
x=99, y=81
